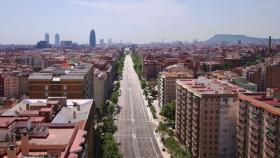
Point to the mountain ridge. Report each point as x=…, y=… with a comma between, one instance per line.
x=235, y=38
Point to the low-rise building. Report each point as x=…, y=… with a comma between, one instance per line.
x=53, y=127
x=241, y=82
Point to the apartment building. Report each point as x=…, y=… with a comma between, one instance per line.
x=9, y=85
x=167, y=82
x=258, y=134
x=273, y=75
x=101, y=89
x=206, y=117
x=75, y=81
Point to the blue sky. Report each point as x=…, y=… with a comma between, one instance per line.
x=142, y=21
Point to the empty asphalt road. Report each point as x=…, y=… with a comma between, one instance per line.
x=135, y=133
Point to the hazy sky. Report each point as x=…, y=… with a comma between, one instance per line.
x=142, y=21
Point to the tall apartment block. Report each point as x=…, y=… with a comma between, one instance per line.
x=167, y=83
x=258, y=130
x=74, y=81
x=272, y=75
x=206, y=117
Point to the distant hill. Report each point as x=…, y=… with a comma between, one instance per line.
x=233, y=39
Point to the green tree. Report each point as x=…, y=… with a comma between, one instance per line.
x=109, y=147
x=175, y=148
x=115, y=97
x=108, y=125
x=168, y=111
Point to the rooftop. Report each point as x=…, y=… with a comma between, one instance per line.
x=205, y=86
x=261, y=100
x=66, y=114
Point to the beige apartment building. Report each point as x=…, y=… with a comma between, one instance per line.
x=206, y=117
x=258, y=130
x=101, y=89
x=9, y=85
x=167, y=82
x=71, y=81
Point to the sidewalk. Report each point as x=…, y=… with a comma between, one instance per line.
x=156, y=123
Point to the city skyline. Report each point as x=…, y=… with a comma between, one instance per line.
x=156, y=20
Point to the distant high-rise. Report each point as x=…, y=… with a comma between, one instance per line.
x=47, y=37
x=110, y=41
x=57, y=40
x=92, y=38
x=269, y=44
x=102, y=42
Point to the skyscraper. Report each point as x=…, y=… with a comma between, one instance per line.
x=47, y=38
x=57, y=40
x=110, y=41
x=92, y=38
x=102, y=42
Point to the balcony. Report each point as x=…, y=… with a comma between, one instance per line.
x=241, y=125
x=195, y=117
x=240, y=137
x=269, y=154
x=194, y=141
x=188, y=140
x=242, y=117
x=270, y=136
x=255, y=141
x=253, y=148
x=270, y=119
x=269, y=144
x=195, y=124
x=189, y=136
x=254, y=111
x=270, y=151
x=196, y=105
x=254, y=117
x=254, y=132
x=189, y=108
x=194, y=130
x=240, y=151
x=270, y=126
x=195, y=112
x=194, y=152
x=189, y=130
x=253, y=124
x=252, y=154
x=242, y=111
x=195, y=137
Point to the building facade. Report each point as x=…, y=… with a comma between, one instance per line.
x=73, y=81
x=206, y=114
x=167, y=85
x=57, y=40
x=92, y=38
x=258, y=134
